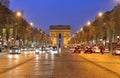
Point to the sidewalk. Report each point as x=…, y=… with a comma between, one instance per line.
x=107, y=61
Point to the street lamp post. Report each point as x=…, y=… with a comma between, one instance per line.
x=118, y=40
x=17, y=41
x=100, y=16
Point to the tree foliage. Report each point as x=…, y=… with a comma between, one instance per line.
x=103, y=27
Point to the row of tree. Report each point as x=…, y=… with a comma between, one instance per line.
x=105, y=27
x=13, y=27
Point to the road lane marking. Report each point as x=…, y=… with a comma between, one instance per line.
x=13, y=67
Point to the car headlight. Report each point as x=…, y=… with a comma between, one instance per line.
x=25, y=49
x=19, y=51
x=37, y=50
x=10, y=51
x=16, y=50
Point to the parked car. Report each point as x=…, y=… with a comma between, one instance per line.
x=107, y=50
x=96, y=49
x=77, y=49
x=14, y=50
x=88, y=49
x=71, y=49
x=116, y=51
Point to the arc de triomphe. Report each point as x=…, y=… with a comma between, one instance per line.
x=60, y=30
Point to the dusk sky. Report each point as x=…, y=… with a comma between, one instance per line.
x=76, y=13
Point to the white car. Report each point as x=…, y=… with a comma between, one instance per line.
x=71, y=49
x=116, y=51
x=54, y=50
x=106, y=50
x=24, y=48
x=95, y=49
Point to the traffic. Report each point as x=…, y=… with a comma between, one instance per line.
x=94, y=49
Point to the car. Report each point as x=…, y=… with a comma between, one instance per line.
x=96, y=49
x=47, y=49
x=77, y=49
x=14, y=50
x=38, y=50
x=31, y=49
x=116, y=51
x=71, y=49
x=106, y=50
x=54, y=50
x=24, y=48
x=88, y=49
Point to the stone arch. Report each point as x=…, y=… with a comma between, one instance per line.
x=65, y=32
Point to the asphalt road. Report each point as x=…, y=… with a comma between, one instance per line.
x=66, y=65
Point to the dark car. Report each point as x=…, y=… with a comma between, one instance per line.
x=14, y=50
x=77, y=49
x=88, y=50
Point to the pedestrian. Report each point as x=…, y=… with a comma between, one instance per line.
x=102, y=49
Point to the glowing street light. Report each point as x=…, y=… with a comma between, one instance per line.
x=88, y=23
x=81, y=29
x=100, y=14
x=118, y=36
x=31, y=24
x=19, y=14
x=41, y=31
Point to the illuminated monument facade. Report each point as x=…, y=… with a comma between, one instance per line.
x=5, y=2
x=63, y=31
